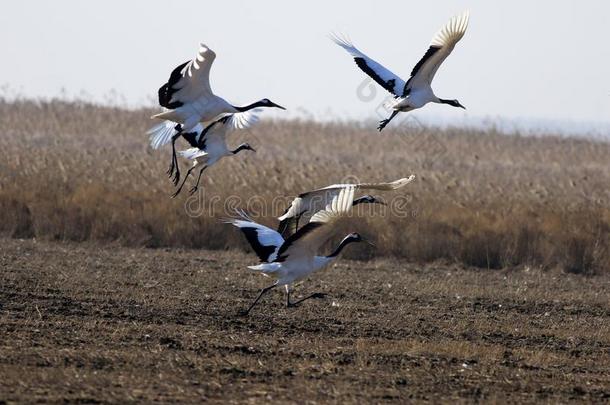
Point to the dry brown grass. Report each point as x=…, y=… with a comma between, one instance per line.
x=75, y=171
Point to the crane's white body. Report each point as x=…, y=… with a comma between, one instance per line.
x=187, y=98
x=193, y=91
x=162, y=134
x=416, y=99
x=214, y=139
x=417, y=91
x=209, y=144
x=295, y=258
x=205, y=109
x=295, y=270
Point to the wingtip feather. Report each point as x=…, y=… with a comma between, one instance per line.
x=344, y=42
x=453, y=31
x=161, y=134
x=403, y=182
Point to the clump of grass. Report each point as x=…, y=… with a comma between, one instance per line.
x=77, y=171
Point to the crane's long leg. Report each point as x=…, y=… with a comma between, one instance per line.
x=192, y=190
x=383, y=123
x=174, y=164
x=263, y=291
x=175, y=167
x=295, y=303
x=183, y=181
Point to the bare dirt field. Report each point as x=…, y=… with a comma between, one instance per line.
x=90, y=323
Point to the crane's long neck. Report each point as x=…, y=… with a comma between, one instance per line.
x=249, y=106
x=366, y=199
x=346, y=241
x=323, y=261
x=453, y=103
x=358, y=201
x=239, y=148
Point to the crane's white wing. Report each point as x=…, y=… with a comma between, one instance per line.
x=393, y=185
x=263, y=240
x=242, y=120
x=316, y=200
x=161, y=134
x=216, y=132
x=188, y=82
x=441, y=46
x=376, y=71
x=337, y=207
x=311, y=201
x=308, y=240
x=302, y=207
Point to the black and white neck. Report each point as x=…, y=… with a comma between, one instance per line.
x=367, y=199
x=249, y=106
x=243, y=146
x=453, y=103
x=260, y=103
x=346, y=241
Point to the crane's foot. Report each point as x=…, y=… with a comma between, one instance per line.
x=178, y=191
x=176, y=178
x=317, y=295
x=382, y=124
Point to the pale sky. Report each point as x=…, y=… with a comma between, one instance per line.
x=520, y=61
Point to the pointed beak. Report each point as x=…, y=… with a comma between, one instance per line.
x=368, y=241
x=278, y=106
x=461, y=106
x=380, y=201
x=252, y=149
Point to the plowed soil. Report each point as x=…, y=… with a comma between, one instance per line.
x=93, y=323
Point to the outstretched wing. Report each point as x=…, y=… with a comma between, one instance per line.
x=216, y=132
x=288, y=226
x=310, y=202
x=376, y=71
x=189, y=81
x=161, y=134
x=243, y=120
x=393, y=185
x=308, y=240
x=264, y=241
x=167, y=90
x=441, y=46
x=307, y=204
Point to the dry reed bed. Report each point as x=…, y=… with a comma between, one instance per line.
x=75, y=171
